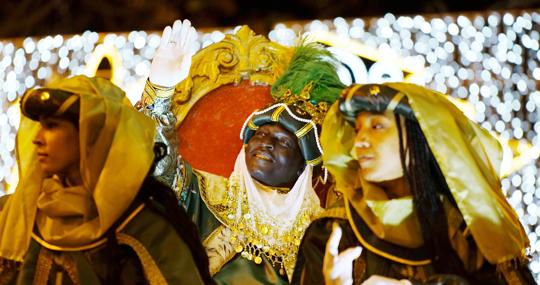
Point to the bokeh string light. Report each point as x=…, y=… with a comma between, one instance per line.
x=32, y=62
x=490, y=59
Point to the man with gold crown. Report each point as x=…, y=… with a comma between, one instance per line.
x=252, y=222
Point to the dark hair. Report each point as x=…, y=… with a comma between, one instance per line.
x=427, y=182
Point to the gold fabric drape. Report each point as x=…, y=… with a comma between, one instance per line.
x=469, y=157
x=116, y=152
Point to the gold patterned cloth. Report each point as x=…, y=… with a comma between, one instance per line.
x=116, y=152
x=260, y=221
x=469, y=158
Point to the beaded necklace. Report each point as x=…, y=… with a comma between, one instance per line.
x=256, y=234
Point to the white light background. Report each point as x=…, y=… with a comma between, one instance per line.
x=490, y=60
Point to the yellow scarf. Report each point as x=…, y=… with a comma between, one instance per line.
x=116, y=144
x=393, y=220
x=468, y=156
x=64, y=213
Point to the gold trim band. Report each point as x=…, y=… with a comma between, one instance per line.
x=277, y=112
x=348, y=97
x=151, y=269
x=315, y=161
x=66, y=104
x=130, y=217
x=395, y=101
x=376, y=250
x=92, y=245
x=304, y=130
x=352, y=91
x=155, y=91
x=336, y=213
x=252, y=125
x=66, y=248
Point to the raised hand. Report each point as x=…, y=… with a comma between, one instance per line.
x=338, y=269
x=172, y=60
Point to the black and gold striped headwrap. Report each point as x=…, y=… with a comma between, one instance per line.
x=304, y=93
x=302, y=126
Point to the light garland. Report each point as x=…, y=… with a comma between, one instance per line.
x=491, y=60
x=32, y=62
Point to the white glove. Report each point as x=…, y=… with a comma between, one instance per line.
x=338, y=269
x=172, y=60
x=379, y=280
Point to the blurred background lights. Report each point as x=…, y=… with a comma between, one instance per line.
x=490, y=60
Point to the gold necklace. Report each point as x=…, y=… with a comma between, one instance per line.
x=255, y=234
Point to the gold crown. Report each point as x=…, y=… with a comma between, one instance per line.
x=304, y=106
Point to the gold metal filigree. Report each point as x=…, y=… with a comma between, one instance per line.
x=242, y=56
x=253, y=234
x=304, y=106
x=374, y=90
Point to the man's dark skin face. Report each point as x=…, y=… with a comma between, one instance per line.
x=273, y=156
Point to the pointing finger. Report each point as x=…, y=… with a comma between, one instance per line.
x=333, y=241
x=347, y=257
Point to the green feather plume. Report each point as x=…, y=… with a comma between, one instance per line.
x=311, y=63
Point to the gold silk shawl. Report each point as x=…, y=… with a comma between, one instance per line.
x=116, y=146
x=469, y=158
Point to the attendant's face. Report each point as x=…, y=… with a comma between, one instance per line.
x=377, y=147
x=57, y=143
x=273, y=156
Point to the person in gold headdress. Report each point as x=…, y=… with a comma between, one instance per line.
x=252, y=222
x=85, y=211
x=421, y=196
